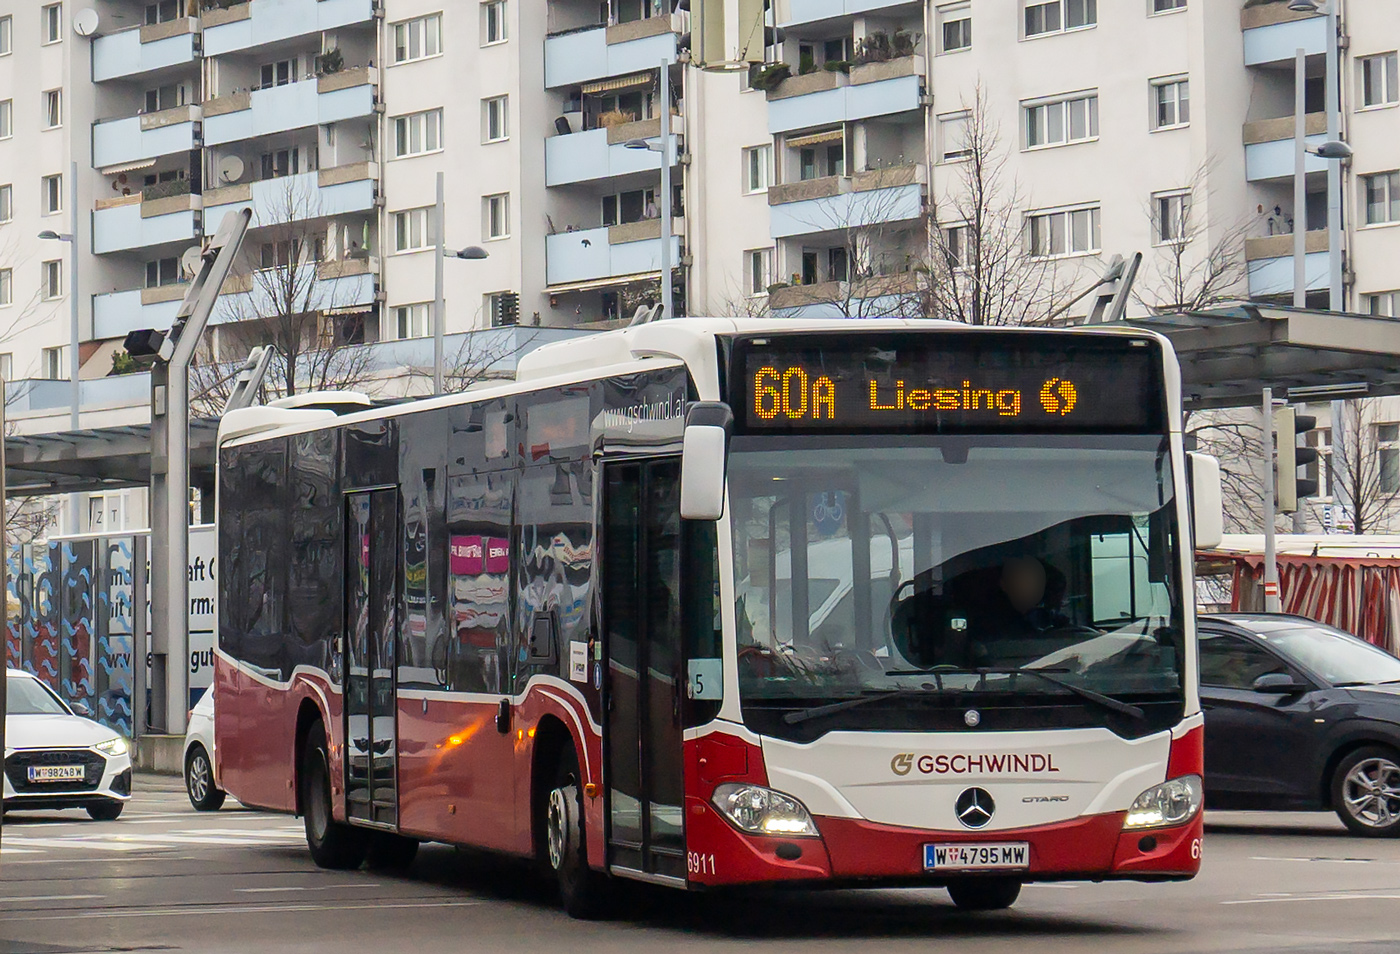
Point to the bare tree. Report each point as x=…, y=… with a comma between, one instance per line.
x=288, y=298
x=981, y=268
x=1364, y=465
x=1195, y=263
x=482, y=356
x=1232, y=437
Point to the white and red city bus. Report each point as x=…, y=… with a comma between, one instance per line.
x=716, y=602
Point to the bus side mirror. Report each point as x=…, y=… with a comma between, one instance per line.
x=705, y=459
x=1207, y=501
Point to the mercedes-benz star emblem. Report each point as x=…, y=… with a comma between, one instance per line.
x=975, y=807
x=972, y=717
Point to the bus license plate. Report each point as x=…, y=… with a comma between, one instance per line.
x=969, y=857
x=56, y=773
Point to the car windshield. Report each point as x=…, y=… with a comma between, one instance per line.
x=1338, y=657
x=27, y=697
x=868, y=564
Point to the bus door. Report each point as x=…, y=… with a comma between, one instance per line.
x=641, y=619
x=371, y=625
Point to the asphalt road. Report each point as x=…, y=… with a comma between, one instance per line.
x=163, y=877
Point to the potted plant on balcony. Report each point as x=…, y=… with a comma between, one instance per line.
x=766, y=77
x=332, y=61
x=837, y=66
x=614, y=117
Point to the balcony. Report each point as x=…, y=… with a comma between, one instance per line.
x=837, y=203
x=872, y=89
x=879, y=296
x=145, y=49
x=1270, y=263
x=149, y=136
x=810, y=11
x=1268, y=147
x=116, y=313
x=608, y=252
x=35, y=397
x=600, y=153
x=127, y=222
x=596, y=52
x=1273, y=34
x=339, y=284
x=246, y=25
x=298, y=198
x=348, y=94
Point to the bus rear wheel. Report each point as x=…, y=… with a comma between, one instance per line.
x=984, y=894
x=333, y=845
x=583, y=891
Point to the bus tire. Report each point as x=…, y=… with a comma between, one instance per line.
x=333, y=844
x=984, y=894
x=390, y=852
x=583, y=891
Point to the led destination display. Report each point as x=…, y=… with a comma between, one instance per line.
x=941, y=383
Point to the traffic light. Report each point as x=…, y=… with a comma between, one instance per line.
x=1289, y=428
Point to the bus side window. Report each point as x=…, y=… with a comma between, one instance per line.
x=233, y=617
x=700, y=621
x=476, y=657
x=313, y=592
x=266, y=558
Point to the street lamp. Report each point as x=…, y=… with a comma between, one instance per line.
x=1335, y=151
x=71, y=237
x=663, y=147
x=471, y=252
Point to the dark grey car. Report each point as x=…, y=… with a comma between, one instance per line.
x=1300, y=716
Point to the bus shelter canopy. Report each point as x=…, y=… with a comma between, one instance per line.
x=107, y=458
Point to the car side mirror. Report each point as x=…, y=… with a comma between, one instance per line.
x=705, y=459
x=1279, y=683
x=81, y=709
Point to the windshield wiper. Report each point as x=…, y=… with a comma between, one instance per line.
x=816, y=712
x=1089, y=695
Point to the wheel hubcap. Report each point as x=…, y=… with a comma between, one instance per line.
x=318, y=812
x=556, y=834
x=199, y=778
x=1371, y=791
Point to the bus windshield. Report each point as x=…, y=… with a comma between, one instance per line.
x=942, y=566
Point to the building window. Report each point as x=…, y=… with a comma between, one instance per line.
x=493, y=22
x=7, y=287
x=287, y=162
x=495, y=120
x=413, y=321
x=167, y=97
x=955, y=246
x=1067, y=232
x=7, y=118
x=417, y=133
x=955, y=28
x=1320, y=469
x=1380, y=83
x=1062, y=121
x=417, y=39
x=1388, y=455
x=7, y=202
x=53, y=109
x=952, y=137
x=1384, y=304
x=758, y=168
x=53, y=279
x=51, y=362
x=1171, y=102
x=495, y=216
x=164, y=11
x=1170, y=212
x=758, y=271
x=414, y=229
x=165, y=271
x=1056, y=16
x=51, y=195
x=7, y=366
x=1382, y=198
x=1167, y=6
x=279, y=73
x=7, y=39
x=503, y=308
x=52, y=21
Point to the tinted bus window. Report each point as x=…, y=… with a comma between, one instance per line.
x=371, y=454
x=422, y=459
x=314, y=571
x=482, y=436
x=266, y=554
x=477, y=655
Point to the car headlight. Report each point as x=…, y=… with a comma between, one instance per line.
x=113, y=747
x=762, y=811
x=1174, y=802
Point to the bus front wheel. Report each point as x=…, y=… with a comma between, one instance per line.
x=984, y=894
x=333, y=844
x=582, y=890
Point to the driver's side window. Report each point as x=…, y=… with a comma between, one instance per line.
x=1229, y=662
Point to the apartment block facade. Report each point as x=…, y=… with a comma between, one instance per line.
x=1156, y=126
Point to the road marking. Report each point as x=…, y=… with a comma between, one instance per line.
x=205, y=910
x=56, y=897
x=1335, y=861
x=1320, y=897
x=324, y=887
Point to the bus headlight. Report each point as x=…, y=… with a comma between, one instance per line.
x=1174, y=802
x=762, y=811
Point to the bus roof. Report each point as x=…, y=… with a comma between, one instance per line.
x=685, y=340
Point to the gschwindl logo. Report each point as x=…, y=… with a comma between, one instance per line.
x=902, y=764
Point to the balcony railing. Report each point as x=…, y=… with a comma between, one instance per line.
x=347, y=94
x=129, y=222
x=148, y=136
x=141, y=49
x=245, y=25
x=838, y=203
x=595, y=53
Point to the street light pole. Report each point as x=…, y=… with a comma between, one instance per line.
x=1335, y=290
x=438, y=307
x=667, y=293
x=1300, y=184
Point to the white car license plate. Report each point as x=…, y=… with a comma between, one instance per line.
x=56, y=773
x=969, y=857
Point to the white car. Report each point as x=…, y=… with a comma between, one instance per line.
x=55, y=758
x=200, y=783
